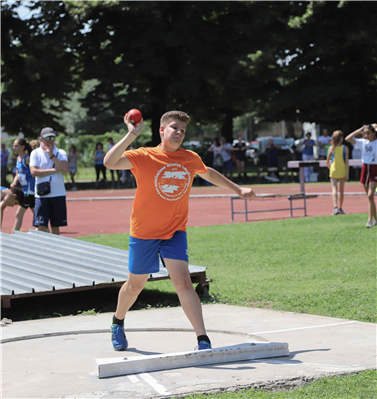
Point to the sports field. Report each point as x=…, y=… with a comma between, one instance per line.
x=315, y=265
x=321, y=265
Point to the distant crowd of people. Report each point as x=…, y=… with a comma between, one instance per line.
x=38, y=169
x=39, y=165
x=337, y=154
x=124, y=176
x=225, y=153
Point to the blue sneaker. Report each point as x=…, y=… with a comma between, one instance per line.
x=203, y=345
x=118, y=338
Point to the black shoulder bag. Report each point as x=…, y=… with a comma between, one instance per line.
x=45, y=187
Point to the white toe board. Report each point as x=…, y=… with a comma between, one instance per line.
x=140, y=364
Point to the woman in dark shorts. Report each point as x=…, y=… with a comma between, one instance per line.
x=23, y=177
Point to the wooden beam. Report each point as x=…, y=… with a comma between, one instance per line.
x=140, y=364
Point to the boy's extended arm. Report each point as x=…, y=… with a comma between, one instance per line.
x=218, y=179
x=115, y=158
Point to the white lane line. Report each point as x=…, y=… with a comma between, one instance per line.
x=154, y=384
x=133, y=378
x=304, y=328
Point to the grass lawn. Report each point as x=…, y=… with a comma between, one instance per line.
x=322, y=265
x=352, y=386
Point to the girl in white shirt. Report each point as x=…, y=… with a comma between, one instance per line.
x=368, y=147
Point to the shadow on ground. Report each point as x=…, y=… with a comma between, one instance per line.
x=82, y=302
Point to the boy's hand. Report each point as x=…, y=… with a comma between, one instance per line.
x=136, y=130
x=247, y=193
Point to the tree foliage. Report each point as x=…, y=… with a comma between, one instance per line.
x=329, y=65
x=37, y=64
x=313, y=61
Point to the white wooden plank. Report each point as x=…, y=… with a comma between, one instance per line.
x=112, y=367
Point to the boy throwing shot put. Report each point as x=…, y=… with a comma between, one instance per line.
x=164, y=176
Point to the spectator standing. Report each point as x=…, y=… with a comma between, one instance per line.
x=368, y=179
x=24, y=178
x=226, y=153
x=47, y=165
x=337, y=162
x=118, y=172
x=4, y=165
x=323, y=144
x=73, y=155
x=239, y=149
x=10, y=197
x=216, y=148
x=297, y=154
x=99, y=155
x=272, y=156
x=308, y=155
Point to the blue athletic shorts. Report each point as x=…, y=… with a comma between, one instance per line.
x=53, y=210
x=144, y=254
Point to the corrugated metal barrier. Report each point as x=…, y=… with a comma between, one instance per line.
x=36, y=262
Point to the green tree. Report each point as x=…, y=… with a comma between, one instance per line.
x=36, y=65
x=158, y=56
x=328, y=64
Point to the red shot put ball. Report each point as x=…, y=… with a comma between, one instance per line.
x=135, y=116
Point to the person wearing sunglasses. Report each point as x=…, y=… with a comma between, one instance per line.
x=48, y=163
x=368, y=147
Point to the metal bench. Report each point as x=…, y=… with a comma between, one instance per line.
x=291, y=197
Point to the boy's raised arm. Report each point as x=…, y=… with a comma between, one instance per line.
x=114, y=158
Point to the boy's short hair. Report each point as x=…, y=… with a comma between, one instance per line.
x=180, y=115
x=19, y=194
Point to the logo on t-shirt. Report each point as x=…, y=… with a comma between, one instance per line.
x=172, y=181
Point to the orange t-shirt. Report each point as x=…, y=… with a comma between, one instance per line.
x=164, y=181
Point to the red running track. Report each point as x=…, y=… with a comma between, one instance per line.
x=113, y=216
